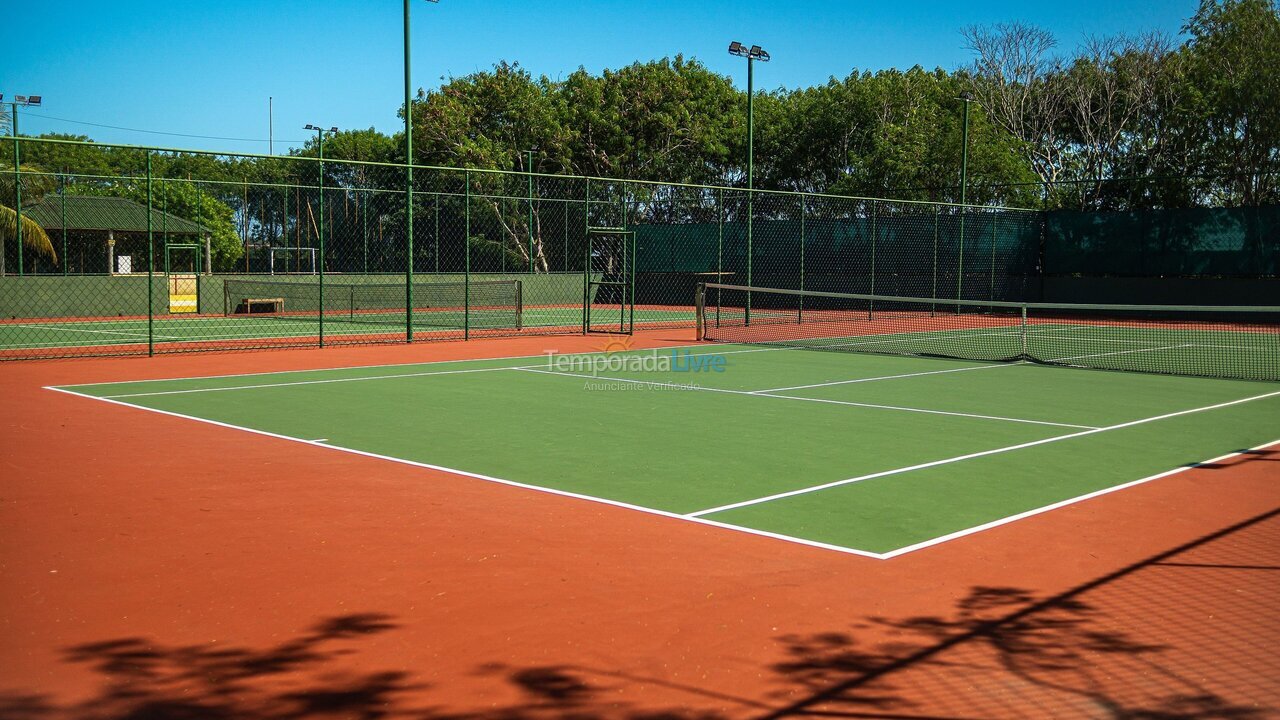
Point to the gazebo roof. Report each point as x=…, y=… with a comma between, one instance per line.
x=103, y=214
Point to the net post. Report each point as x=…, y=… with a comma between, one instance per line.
x=519, y=304
x=700, y=310
x=1023, y=332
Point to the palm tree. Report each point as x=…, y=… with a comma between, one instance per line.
x=34, y=187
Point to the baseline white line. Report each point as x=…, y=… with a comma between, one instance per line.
x=1063, y=503
x=970, y=456
x=884, y=377
x=490, y=478
x=763, y=394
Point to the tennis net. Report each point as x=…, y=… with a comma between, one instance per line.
x=478, y=304
x=1210, y=341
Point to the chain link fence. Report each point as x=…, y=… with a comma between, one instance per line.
x=133, y=251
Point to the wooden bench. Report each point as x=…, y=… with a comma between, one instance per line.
x=253, y=306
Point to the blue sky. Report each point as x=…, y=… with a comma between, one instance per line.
x=207, y=68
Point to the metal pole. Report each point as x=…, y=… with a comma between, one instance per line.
x=436, y=236
x=364, y=227
x=586, y=262
x=751, y=120
x=151, y=314
x=993, y=257
x=933, y=293
x=529, y=167
x=964, y=195
x=408, y=185
x=64, y=223
x=800, y=310
x=320, y=229
x=271, y=125
x=719, y=249
x=17, y=184
x=466, y=277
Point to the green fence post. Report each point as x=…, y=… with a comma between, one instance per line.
x=529, y=167
x=933, y=293
x=874, y=241
x=436, y=210
x=63, y=195
x=992, y=296
x=800, y=309
x=320, y=229
x=363, y=208
x=586, y=249
x=17, y=185
x=719, y=248
x=151, y=314
x=466, y=277
x=565, y=262
x=960, y=261
x=408, y=202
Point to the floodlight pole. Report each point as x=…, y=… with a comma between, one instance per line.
x=751, y=152
x=320, y=132
x=408, y=185
x=753, y=53
x=17, y=183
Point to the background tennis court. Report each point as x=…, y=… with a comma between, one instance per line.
x=873, y=454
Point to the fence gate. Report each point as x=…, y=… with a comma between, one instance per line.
x=182, y=269
x=610, y=282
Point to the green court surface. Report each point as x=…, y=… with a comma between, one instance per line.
x=177, y=330
x=870, y=454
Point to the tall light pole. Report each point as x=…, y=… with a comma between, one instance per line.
x=408, y=183
x=18, y=100
x=964, y=189
x=752, y=54
x=320, y=133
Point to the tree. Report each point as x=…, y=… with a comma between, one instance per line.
x=1234, y=72
x=35, y=185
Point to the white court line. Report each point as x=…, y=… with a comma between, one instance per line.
x=139, y=334
x=1121, y=352
x=970, y=456
x=885, y=377
x=326, y=381
x=1069, y=501
x=709, y=346
x=763, y=394
x=490, y=478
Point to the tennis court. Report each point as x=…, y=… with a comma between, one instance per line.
x=874, y=454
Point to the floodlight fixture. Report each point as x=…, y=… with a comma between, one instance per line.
x=757, y=53
x=737, y=48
